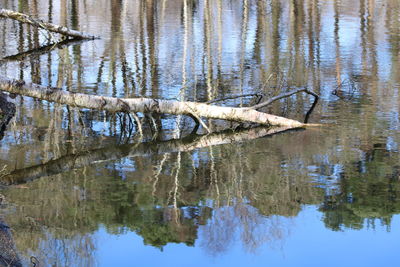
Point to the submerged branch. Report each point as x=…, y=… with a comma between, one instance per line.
x=5, y=13
x=85, y=158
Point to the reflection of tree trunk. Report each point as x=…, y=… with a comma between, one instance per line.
x=393, y=24
x=76, y=50
x=35, y=68
x=259, y=41
x=116, y=8
x=50, y=11
x=142, y=47
x=363, y=29
x=152, y=45
x=243, y=40
x=151, y=29
x=182, y=92
x=299, y=55
x=74, y=14
x=372, y=43
x=21, y=38
x=276, y=36
x=314, y=31
x=76, y=161
x=337, y=43
x=207, y=42
x=220, y=40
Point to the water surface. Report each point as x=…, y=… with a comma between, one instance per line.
x=78, y=190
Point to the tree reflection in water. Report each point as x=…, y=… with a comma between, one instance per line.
x=73, y=179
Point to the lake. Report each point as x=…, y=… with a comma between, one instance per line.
x=80, y=189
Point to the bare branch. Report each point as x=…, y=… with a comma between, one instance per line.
x=283, y=95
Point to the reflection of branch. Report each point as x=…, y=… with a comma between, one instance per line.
x=85, y=158
x=40, y=51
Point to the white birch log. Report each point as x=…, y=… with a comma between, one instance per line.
x=145, y=105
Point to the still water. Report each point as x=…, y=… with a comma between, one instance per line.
x=78, y=190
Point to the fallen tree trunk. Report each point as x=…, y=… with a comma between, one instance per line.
x=145, y=105
x=96, y=156
x=5, y=13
